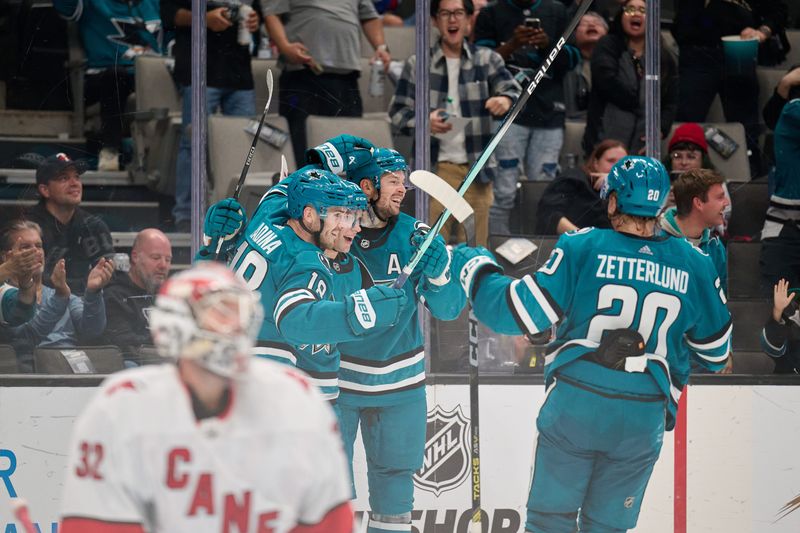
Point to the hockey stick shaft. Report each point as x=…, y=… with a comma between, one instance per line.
x=250, y=153
x=493, y=142
x=475, y=427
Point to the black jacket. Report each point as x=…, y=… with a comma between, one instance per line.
x=616, y=102
x=82, y=242
x=127, y=315
x=785, y=335
x=495, y=25
x=227, y=62
x=570, y=196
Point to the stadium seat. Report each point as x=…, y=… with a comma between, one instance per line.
x=750, y=201
x=528, y=265
x=156, y=127
x=8, y=360
x=530, y=193
x=374, y=105
x=749, y=316
x=735, y=168
x=228, y=145
x=377, y=130
x=573, y=140
x=259, y=68
x=743, y=270
x=768, y=79
x=106, y=359
x=401, y=41
x=793, y=57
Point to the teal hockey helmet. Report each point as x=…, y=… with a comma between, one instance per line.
x=386, y=160
x=322, y=189
x=641, y=184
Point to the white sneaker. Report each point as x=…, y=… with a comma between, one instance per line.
x=108, y=160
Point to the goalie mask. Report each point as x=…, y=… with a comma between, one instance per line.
x=208, y=315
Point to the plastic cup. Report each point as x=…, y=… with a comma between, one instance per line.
x=741, y=55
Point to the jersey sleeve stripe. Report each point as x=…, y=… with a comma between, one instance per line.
x=712, y=342
x=771, y=349
x=275, y=353
x=377, y=370
x=519, y=311
x=289, y=300
x=79, y=524
x=544, y=300
x=375, y=389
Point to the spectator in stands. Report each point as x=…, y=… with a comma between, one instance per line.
x=780, y=337
x=616, y=102
x=572, y=201
x=688, y=150
x=700, y=203
x=578, y=81
x=470, y=82
x=787, y=89
x=387, y=9
x=320, y=47
x=698, y=30
x=129, y=296
x=17, y=288
x=113, y=34
x=780, y=237
x=535, y=138
x=61, y=319
x=228, y=76
x=68, y=232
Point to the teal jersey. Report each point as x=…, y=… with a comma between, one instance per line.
x=385, y=367
x=304, y=317
x=600, y=280
x=710, y=244
x=388, y=367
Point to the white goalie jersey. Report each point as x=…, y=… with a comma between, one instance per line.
x=271, y=463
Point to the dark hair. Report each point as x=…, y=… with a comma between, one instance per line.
x=599, y=149
x=693, y=184
x=704, y=163
x=469, y=7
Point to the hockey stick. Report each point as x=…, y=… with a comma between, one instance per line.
x=441, y=191
x=493, y=142
x=250, y=153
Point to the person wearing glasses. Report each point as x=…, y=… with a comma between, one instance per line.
x=688, y=150
x=616, y=102
x=468, y=82
x=68, y=232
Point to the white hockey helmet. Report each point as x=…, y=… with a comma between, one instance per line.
x=208, y=315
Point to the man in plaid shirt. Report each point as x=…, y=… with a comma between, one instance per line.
x=467, y=82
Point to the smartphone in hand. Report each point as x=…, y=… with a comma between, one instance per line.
x=533, y=22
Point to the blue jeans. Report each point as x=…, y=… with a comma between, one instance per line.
x=539, y=149
x=232, y=103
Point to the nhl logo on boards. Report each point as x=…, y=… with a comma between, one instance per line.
x=446, y=462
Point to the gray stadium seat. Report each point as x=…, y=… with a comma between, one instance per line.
x=530, y=193
x=768, y=79
x=743, y=270
x=737, y=167
x=228, y=145
x=377, y=130
x=106, y=359
x=793, y=57
x=750, y=201
x=156, y=127
x=749, y=316
x=8, y=360
x=573, y=139
x=401, y=42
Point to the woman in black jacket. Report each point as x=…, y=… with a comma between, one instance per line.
x=616, y=102
x=572, y=200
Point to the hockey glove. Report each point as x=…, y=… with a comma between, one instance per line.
x=341, y=154
x=435, y=263
x=470, y=263
x=223, y=221
x=378, y=306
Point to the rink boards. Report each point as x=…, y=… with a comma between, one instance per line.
x=740, y=457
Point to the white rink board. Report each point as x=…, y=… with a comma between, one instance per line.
x=743, y=460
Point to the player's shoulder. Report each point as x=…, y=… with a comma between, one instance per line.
x=128, y=391
x=310, y=260
x=582, y=238
x=276, y=384
x=408, y=224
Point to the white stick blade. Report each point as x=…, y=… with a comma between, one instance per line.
x=284, y=167
x=439, y=189
x=269, y=81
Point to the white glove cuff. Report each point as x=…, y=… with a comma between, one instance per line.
x=469, y=270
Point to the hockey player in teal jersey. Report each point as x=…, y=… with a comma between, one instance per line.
x=631, y=309
x=294, y=266
x=382, y=379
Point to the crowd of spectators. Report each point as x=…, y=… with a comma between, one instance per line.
x=64, y=286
